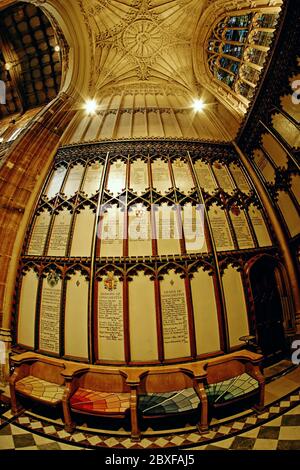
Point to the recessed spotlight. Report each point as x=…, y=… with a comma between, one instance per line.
x=8, y=66
x=57, y=48
x=90, y=106
x=198, y=105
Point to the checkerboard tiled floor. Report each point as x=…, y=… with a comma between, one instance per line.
x=14, y=438
x=281, y=433
x=277, y=428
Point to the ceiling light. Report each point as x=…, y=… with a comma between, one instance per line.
x=91, y=106
x=8, y=66
x=198, y=105
x=57, y=48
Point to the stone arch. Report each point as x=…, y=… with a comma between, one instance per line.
x=214, y=14
x=73, y=35
x=283, y=317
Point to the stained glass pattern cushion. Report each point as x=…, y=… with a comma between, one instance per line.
x=100, y=402
x=40, y=389
x=232, y=388
x=181, y=401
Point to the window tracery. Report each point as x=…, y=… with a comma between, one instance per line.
x=237, y=50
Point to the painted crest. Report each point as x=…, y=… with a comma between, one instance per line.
x=235, y=210
x=110, y=282
x=218, y=166
x=52, y=278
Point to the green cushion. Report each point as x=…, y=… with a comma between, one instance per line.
x=227, y=390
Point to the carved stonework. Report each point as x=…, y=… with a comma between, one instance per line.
x=140, y=41
x=143, y=38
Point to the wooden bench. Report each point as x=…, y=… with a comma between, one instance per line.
x=141, y=392
x=39, y=378
x=233, y=379
x=101, y=391
x=167, y=391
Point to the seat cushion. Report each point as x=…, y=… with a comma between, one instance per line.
x=152, y=404
x=232, y=388
x=41, y=389
x=100, y=402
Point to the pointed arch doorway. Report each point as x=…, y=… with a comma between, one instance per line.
x=271, y=307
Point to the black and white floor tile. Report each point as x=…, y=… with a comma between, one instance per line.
x=281, y=433
x=277, y=428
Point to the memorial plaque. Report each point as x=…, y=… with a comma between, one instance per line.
x=236, y=309
x=240, y=178
x=76, y=317
x=73, y=180
x=205, y=313
x=275, y=150
x=142, y=321
x=116, y=177
x=27, y=309
x=83, y=233
x=167, y=233
x=139, y=176
x=110, y=319
x=223, y=177
x=264, y=165
x=259, y=226
x=55, y=182
x=39, y=234
x=295, y=182
x=220, y=228
x=49, y=331
x=193, y=228
x=289, y=212
x=112, y=232
x=183, y=178
x=139, y=231
x=92, y=179
x=174, y=317
x=161, y=176
x=241, y=228
x=60, y=234
x=205, y=177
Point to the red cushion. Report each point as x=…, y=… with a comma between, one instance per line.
x=100, y=402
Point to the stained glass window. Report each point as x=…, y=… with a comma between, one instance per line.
x=237, y=50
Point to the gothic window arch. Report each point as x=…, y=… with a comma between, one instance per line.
x=237, y=50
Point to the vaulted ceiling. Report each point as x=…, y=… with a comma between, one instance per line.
x=142, y=40
x=29, y=64
x=111, y=44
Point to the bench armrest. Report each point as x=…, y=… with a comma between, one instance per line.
x=21, y=371
x=27, y=357
x=71, y=376
x=71, y=371
x=255, y=371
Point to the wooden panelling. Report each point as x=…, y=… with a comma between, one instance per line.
x=155, y=294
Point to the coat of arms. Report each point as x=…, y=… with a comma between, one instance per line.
x=52, y=278
x=235, y=210
x=110, y=282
